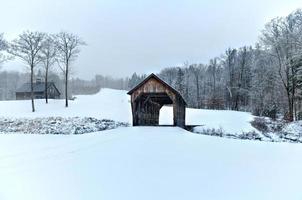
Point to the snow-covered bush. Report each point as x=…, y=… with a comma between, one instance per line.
x=260, y=124
x=221, y=133
x=213, y=132
x=250, y=136
x=266, y=130
x=265, y=124
x=57, y=125
x=279, y=130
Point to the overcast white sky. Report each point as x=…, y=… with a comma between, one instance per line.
x=143, y=36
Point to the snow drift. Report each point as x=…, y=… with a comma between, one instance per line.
x=146, y=163
x=115, y=105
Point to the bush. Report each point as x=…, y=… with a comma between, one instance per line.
x=57, y=125
x=260, y=124
x=299, y=115
x=271, y=112
x=213, y=132
x=250, y=136
x=257, y=112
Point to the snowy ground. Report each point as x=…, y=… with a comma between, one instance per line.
x=147, y=163
x=108, y=104
x=232, y=122
x=115, y=105
x=142, y=162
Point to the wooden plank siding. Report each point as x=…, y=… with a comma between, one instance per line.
x=148, y=98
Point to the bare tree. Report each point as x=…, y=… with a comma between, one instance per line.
x=68, y=50
x=180, y=81
x=229, y=63
x=212, y=70
x=27, y=47
x=197, y=73
x=48, y=55
x=3, y=47
x=281, y=36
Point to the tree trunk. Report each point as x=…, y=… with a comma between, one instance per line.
x=214, y=83
x=294, y=86
x=46, y=85
x=230, y=85
x=32, y=88
x=197, y=89
x=213, y=95
x=236, y=106
x=66, y=86
x=290, y=107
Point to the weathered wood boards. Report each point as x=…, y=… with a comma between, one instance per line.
x=149, y=96
x=24, y=92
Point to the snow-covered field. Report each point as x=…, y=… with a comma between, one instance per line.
x=142, y=162
x=115, y=105
x=147, y=163
x=232, y=122
x=107, y=104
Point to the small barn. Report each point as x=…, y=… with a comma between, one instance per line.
x=24, y=92
x=149, y=96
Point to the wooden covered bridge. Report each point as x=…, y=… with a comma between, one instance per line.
x=149, y=96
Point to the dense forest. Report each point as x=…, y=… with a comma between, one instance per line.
x=264, y=79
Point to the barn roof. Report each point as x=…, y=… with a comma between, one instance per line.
x=158, y=79
x=38, y=87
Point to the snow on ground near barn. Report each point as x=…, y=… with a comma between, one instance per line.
x=147, y=163
x=142, y=162
x=232, y=122
x=115, y=105
x=107, y=104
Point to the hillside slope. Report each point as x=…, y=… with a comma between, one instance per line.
x=115, y=105
x=146, y=163
x=107, y=104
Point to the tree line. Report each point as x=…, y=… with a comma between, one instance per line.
x=265, y=79
x=10, y=81
x=38, y=49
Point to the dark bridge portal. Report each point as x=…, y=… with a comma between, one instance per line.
x=149, y=105
x=148, y=97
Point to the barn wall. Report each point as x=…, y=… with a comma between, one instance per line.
x=22, y=96
x=152, y=86
x=37, y=95
x=27, y=95
x=52, y=92
x=147, y=113
x=179, y=113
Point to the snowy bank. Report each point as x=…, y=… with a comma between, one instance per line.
x=57, y=125
x=107, y=104
x=147, y=163
x=115, y=105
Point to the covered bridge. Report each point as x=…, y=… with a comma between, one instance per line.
x=149, y=96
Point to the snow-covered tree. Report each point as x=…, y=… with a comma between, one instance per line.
x=3, y=48
x=28, y=47
x=48, y=56
x=282, y=36
x=180, y=85
x=68, y=49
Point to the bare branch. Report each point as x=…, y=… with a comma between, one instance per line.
x=27, y=47
x=68, y=49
